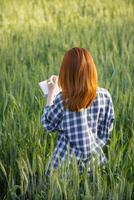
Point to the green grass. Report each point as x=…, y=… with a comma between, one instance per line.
x=34, y=36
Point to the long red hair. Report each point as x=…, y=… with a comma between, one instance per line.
x=77, y=79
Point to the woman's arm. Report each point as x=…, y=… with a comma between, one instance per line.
x=52, y=86
x=50, y=99
x=53, y=111
x=52, y=114
x=105, y=125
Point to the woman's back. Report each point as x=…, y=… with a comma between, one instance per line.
x=85, y=131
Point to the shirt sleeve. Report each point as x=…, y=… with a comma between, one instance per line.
x=105, y=124
x=52, y=115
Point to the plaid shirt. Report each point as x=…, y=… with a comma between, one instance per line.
x=84, y=132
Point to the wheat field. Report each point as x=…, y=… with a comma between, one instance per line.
x=34, y=36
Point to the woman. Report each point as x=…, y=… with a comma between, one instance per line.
x=82, y=113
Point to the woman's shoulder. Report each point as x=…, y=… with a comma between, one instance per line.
x=103, y=92
x=104, y=95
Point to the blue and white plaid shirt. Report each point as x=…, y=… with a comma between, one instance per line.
x=84, y=132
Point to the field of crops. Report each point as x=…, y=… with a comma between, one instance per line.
x=34, y=35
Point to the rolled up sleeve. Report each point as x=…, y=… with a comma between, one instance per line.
x=52, y=115
x=105, y=126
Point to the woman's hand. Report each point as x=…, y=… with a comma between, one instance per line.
x=52, y=84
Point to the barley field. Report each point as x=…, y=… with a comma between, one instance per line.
x=34, y=35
